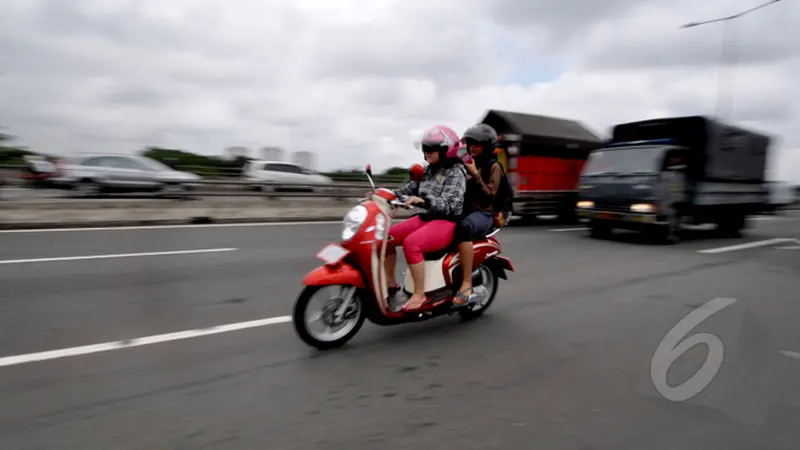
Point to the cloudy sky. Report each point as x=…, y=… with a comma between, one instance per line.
x=356, y=80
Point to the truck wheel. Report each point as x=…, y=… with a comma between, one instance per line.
x=525, y=220
x=668, y=234
x=568, y=217
x=599, y=230
x=732, y=225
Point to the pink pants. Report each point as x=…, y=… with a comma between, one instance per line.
x=418, y=237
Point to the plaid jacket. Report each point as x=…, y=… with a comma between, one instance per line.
x=443, y=192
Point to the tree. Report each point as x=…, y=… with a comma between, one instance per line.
x=192, y=162
x=397, y=171
x=11, y=154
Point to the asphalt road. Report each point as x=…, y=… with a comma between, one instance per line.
x=561, y=361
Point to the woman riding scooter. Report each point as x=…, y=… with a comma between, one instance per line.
x=486, y=175
x=441, y=192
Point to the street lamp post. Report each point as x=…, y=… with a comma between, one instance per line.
x=729, y=55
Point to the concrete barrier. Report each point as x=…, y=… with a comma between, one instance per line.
x=110, y=212
x=70, y=213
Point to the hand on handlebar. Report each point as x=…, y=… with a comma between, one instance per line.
x=402, y=202
x=413, y=201
x=406, y=202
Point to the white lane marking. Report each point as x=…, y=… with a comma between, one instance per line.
x=794, y=355
x=169, y=227
x=778, y=221
x=748, y=245
x=559, y=230
x=138, y=342
x=118, y=255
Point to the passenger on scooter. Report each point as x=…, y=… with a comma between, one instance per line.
x=486, y=174
x=441, y=192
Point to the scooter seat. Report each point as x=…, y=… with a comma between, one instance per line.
x=452, y=248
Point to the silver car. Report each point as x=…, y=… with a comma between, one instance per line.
x=93, y=174
x=266, y=175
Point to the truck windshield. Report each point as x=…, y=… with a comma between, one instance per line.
x=641, y=160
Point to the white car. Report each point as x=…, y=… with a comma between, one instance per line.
x=268, y=175
x=91, y=174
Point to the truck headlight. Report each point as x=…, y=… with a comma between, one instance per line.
x=585, y=204
x=352, y=222
x=642, y=208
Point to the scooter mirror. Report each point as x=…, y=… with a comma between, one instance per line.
x=368, y=171
x=416, y=171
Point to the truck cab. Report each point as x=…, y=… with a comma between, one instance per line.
x=632, y=184
x=675, y=171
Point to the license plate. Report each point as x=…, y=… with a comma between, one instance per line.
x=605, y=215
x=332, y=254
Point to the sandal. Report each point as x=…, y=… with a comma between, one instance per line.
x=462, y=298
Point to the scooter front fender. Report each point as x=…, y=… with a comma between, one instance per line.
x=343, y=273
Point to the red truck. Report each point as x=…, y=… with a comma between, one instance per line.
x=543, y=157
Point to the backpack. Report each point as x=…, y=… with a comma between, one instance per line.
x=503, y=199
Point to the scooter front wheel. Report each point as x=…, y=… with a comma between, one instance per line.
x=324, y=321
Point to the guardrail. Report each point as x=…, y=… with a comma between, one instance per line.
x=218, y=188
x=13, y=172
x=275, y=190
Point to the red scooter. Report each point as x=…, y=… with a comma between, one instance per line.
x=354, y=270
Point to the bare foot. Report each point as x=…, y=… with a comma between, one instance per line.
x=415, y=302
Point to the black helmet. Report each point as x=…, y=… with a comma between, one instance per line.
x=481, y=134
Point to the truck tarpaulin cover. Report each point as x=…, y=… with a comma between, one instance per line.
x=544, y=135
x=718, y=152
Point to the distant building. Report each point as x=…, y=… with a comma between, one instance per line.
x=232, y=153
x=272, y=154
x=305, y=159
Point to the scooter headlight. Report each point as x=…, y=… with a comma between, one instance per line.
x=352, y=222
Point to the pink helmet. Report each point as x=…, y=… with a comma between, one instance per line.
x=441, y=138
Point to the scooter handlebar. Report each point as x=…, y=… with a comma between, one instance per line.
x=400, y=203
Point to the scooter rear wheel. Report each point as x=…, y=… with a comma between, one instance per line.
x=335, y=334
x=490, y=284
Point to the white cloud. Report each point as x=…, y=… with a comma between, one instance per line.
x=355, y=80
